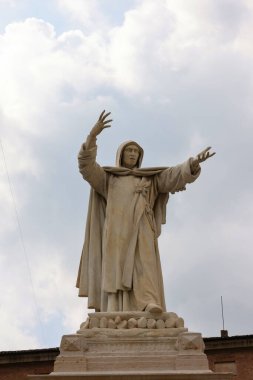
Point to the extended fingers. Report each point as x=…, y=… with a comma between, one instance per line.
x=105, y=116
x=106, y=125
x=208, y=154
x=101, y=115
x=204, y=151
x=107, y=121
x=102, y=122
x=205, y=154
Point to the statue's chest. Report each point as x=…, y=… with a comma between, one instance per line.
x=123, y=186
x=128, y=189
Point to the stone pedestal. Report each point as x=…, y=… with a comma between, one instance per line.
x=133, y=345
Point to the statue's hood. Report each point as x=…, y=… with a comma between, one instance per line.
x=121, y=149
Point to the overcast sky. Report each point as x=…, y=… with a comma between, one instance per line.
x=177, y=77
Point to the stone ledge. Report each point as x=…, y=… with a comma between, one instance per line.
x=136, y=376
x=133, y=333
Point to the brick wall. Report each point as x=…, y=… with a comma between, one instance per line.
x=17, y=365
x=232, y=354
x=19, y=371
x=240, y=363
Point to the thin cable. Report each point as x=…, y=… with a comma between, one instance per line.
x=22, y=242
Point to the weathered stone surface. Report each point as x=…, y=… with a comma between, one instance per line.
x=111, y=324
x=85, y=324
x=71, y=343
x=151, y=323
x=135, y=350
x=122, y=325
x=103, y=322
x=133, y=314
x=142, y=323
x=131, y=333
x=117, y=319
x=160, y=324
x=99, y=323
x=190, y=341
x=132, y=323
x=180, y=322
x=133, y=319
x=171, y=322
x=94, y=322
x=117, y=349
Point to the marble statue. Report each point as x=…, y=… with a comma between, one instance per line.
x=120, y=266
x=130, y=335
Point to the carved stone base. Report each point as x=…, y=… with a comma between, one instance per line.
x=133, y=345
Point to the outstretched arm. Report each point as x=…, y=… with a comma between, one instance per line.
x=201, y=157
x=175, y=178
x=100, y=125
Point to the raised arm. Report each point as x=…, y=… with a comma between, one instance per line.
x=175, y=178
x=100, y=125
x=91, y=171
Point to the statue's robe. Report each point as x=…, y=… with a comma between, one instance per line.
x=120, y=266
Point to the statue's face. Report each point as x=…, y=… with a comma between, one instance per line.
x=130, y=156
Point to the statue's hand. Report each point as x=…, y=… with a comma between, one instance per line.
x=202, y=156
x=101, y=124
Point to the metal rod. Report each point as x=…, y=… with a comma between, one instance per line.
x=222, y=313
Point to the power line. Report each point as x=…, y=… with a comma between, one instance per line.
x=11, y=187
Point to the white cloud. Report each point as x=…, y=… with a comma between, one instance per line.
x=14, y=336
x=206, y=256
x=8, y=2
x=177, y=78
x=39, y=292
x=86, y=12
x=23, y=49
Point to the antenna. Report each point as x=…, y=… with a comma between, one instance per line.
x=223, y=332
x=222, y=312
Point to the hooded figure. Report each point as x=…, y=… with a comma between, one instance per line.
x=120, y=266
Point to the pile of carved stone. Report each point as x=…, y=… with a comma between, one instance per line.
x=141, y=320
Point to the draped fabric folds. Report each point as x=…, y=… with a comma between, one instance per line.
x=120, y=258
